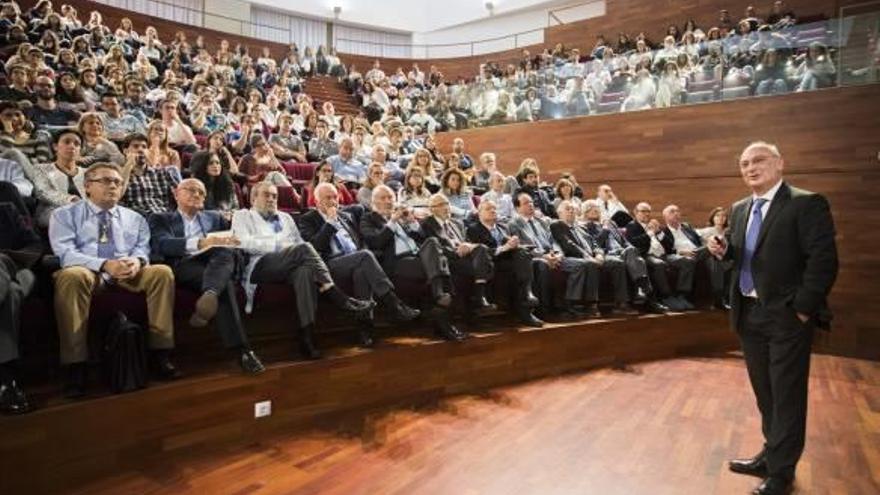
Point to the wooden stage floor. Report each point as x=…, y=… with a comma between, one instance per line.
x=664, y=427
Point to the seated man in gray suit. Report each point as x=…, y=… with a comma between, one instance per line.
x=204, y=263
x=575, y=243
x=280, y=255
x=534, y=234
x=15, y=284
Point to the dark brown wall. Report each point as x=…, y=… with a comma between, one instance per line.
x=686, y=156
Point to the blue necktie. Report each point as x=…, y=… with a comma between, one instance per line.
x=343, y=240
x=275, y=220
x=106, y=245
x=746, y=282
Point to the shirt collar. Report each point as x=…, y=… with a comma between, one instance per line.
x=187, y=218
x=769, y=194
x=96, y=210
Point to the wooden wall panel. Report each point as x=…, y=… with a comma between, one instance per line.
x=830, y=140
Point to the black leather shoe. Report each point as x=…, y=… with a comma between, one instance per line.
x=446, y=330
x=774, y=485
x=12, y=399
x=481, y=305
x=365, y=336
x=250, y=363
x=163, y=368
x=654, y=306
x=530, y=320
x=75, y=384
x=359, y=308
x=404, y=313
x=753, y=466
x=531, y=301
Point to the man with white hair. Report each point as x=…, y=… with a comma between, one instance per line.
x=279, y=255
x=393, y=233
x=334, y=235
x=609, y=205
x=684, y=251
x=644, y=233
x=781, y=240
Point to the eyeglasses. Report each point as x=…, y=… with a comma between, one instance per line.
x=194, y=191
x=107, y=181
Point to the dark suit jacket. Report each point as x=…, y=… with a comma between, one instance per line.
x=668, y=241
x=795, y=260
x=478, y=233
x=379, y=237
x=563, y=234
x=603, y=237
x=320, y=233
x=432, y=228
x=168, y=236
x=638, y=237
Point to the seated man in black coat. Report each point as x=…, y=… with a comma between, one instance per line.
x=508, y=256
x=529, y=179
x=576, y=243
x=684, y=250
x=616, y=248
x=333, y=234
x=395, y=236
x=205, y=263
x=468, y=258
x=15, y=284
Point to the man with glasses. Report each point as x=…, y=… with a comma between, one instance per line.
x=645, y=234
x=148, y=188
x=99, y=243
x=467, y=258
x=278, y=254
x=203, y=258
x=46, y=112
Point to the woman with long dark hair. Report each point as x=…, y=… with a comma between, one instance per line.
x=220, y=189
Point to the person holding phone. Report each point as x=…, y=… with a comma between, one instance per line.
x=781, y=242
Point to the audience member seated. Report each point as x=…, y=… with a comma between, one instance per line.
x=20, y=134
x=178, y=132
x=102, y=243
x=148, y=188
x=529, y=179
x=261, y=164
x=95, y=145
x=345, y=166
x=393, y=233
x=205, y=263
x=324, y=173
x=335, y=237
x=609, y=205
x=719, y=270
x=564, y=190
x=613, y=244
x=684, y=250
x=46, y=112
x=219, y=187
x=286, y=145
x=16, y=283
x=454, y=186
x=414, y=194
x=61, y=182
x=321, y=146
x=375, y=177
x=497, y=195
x=159, y=151
x=118, y=123
x=817, y=70
x=279, y=255
x=508, y=257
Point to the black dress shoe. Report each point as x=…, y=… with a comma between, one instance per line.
x=163, y=368
x=365, y=336
x=12, y=399
x=774, y=485
x=250, y=363
x=654, y=306
x=753, y=466
x=481, y=305
x=446, y=330
x=75, y=384
x=531, y=301
x=358, y=307
x=404, y=313
x=530, y=320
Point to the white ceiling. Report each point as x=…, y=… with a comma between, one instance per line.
x=413, y=16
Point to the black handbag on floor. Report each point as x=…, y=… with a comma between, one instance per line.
x=125, y=355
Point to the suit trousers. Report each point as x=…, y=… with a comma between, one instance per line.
x=215, y=270
x=428, y=263
x=636, y=268
x=518, y=262
x=11, y=296
x=74, y=287
x=477, y=264
x=719, y=274
x=776, y=346
x=301, y=268
x=616, y=269
x=366, y=275
x=582, y=277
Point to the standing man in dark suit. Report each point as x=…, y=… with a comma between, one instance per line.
x=206, y=264
x=464, y=257
x=785, y=262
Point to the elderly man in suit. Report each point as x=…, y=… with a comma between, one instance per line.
x=576, y=243
x=644, y=233
x=468, y=258
x=204, y=263
x=16, y=283
x=335, y=236
x=100, y=242
x=508, y=256
x=534, y=233
x=785, y=262
x=684, y=251
x=392, y=232
x=278, y=254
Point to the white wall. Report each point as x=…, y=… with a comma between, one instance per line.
x=220, y=15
